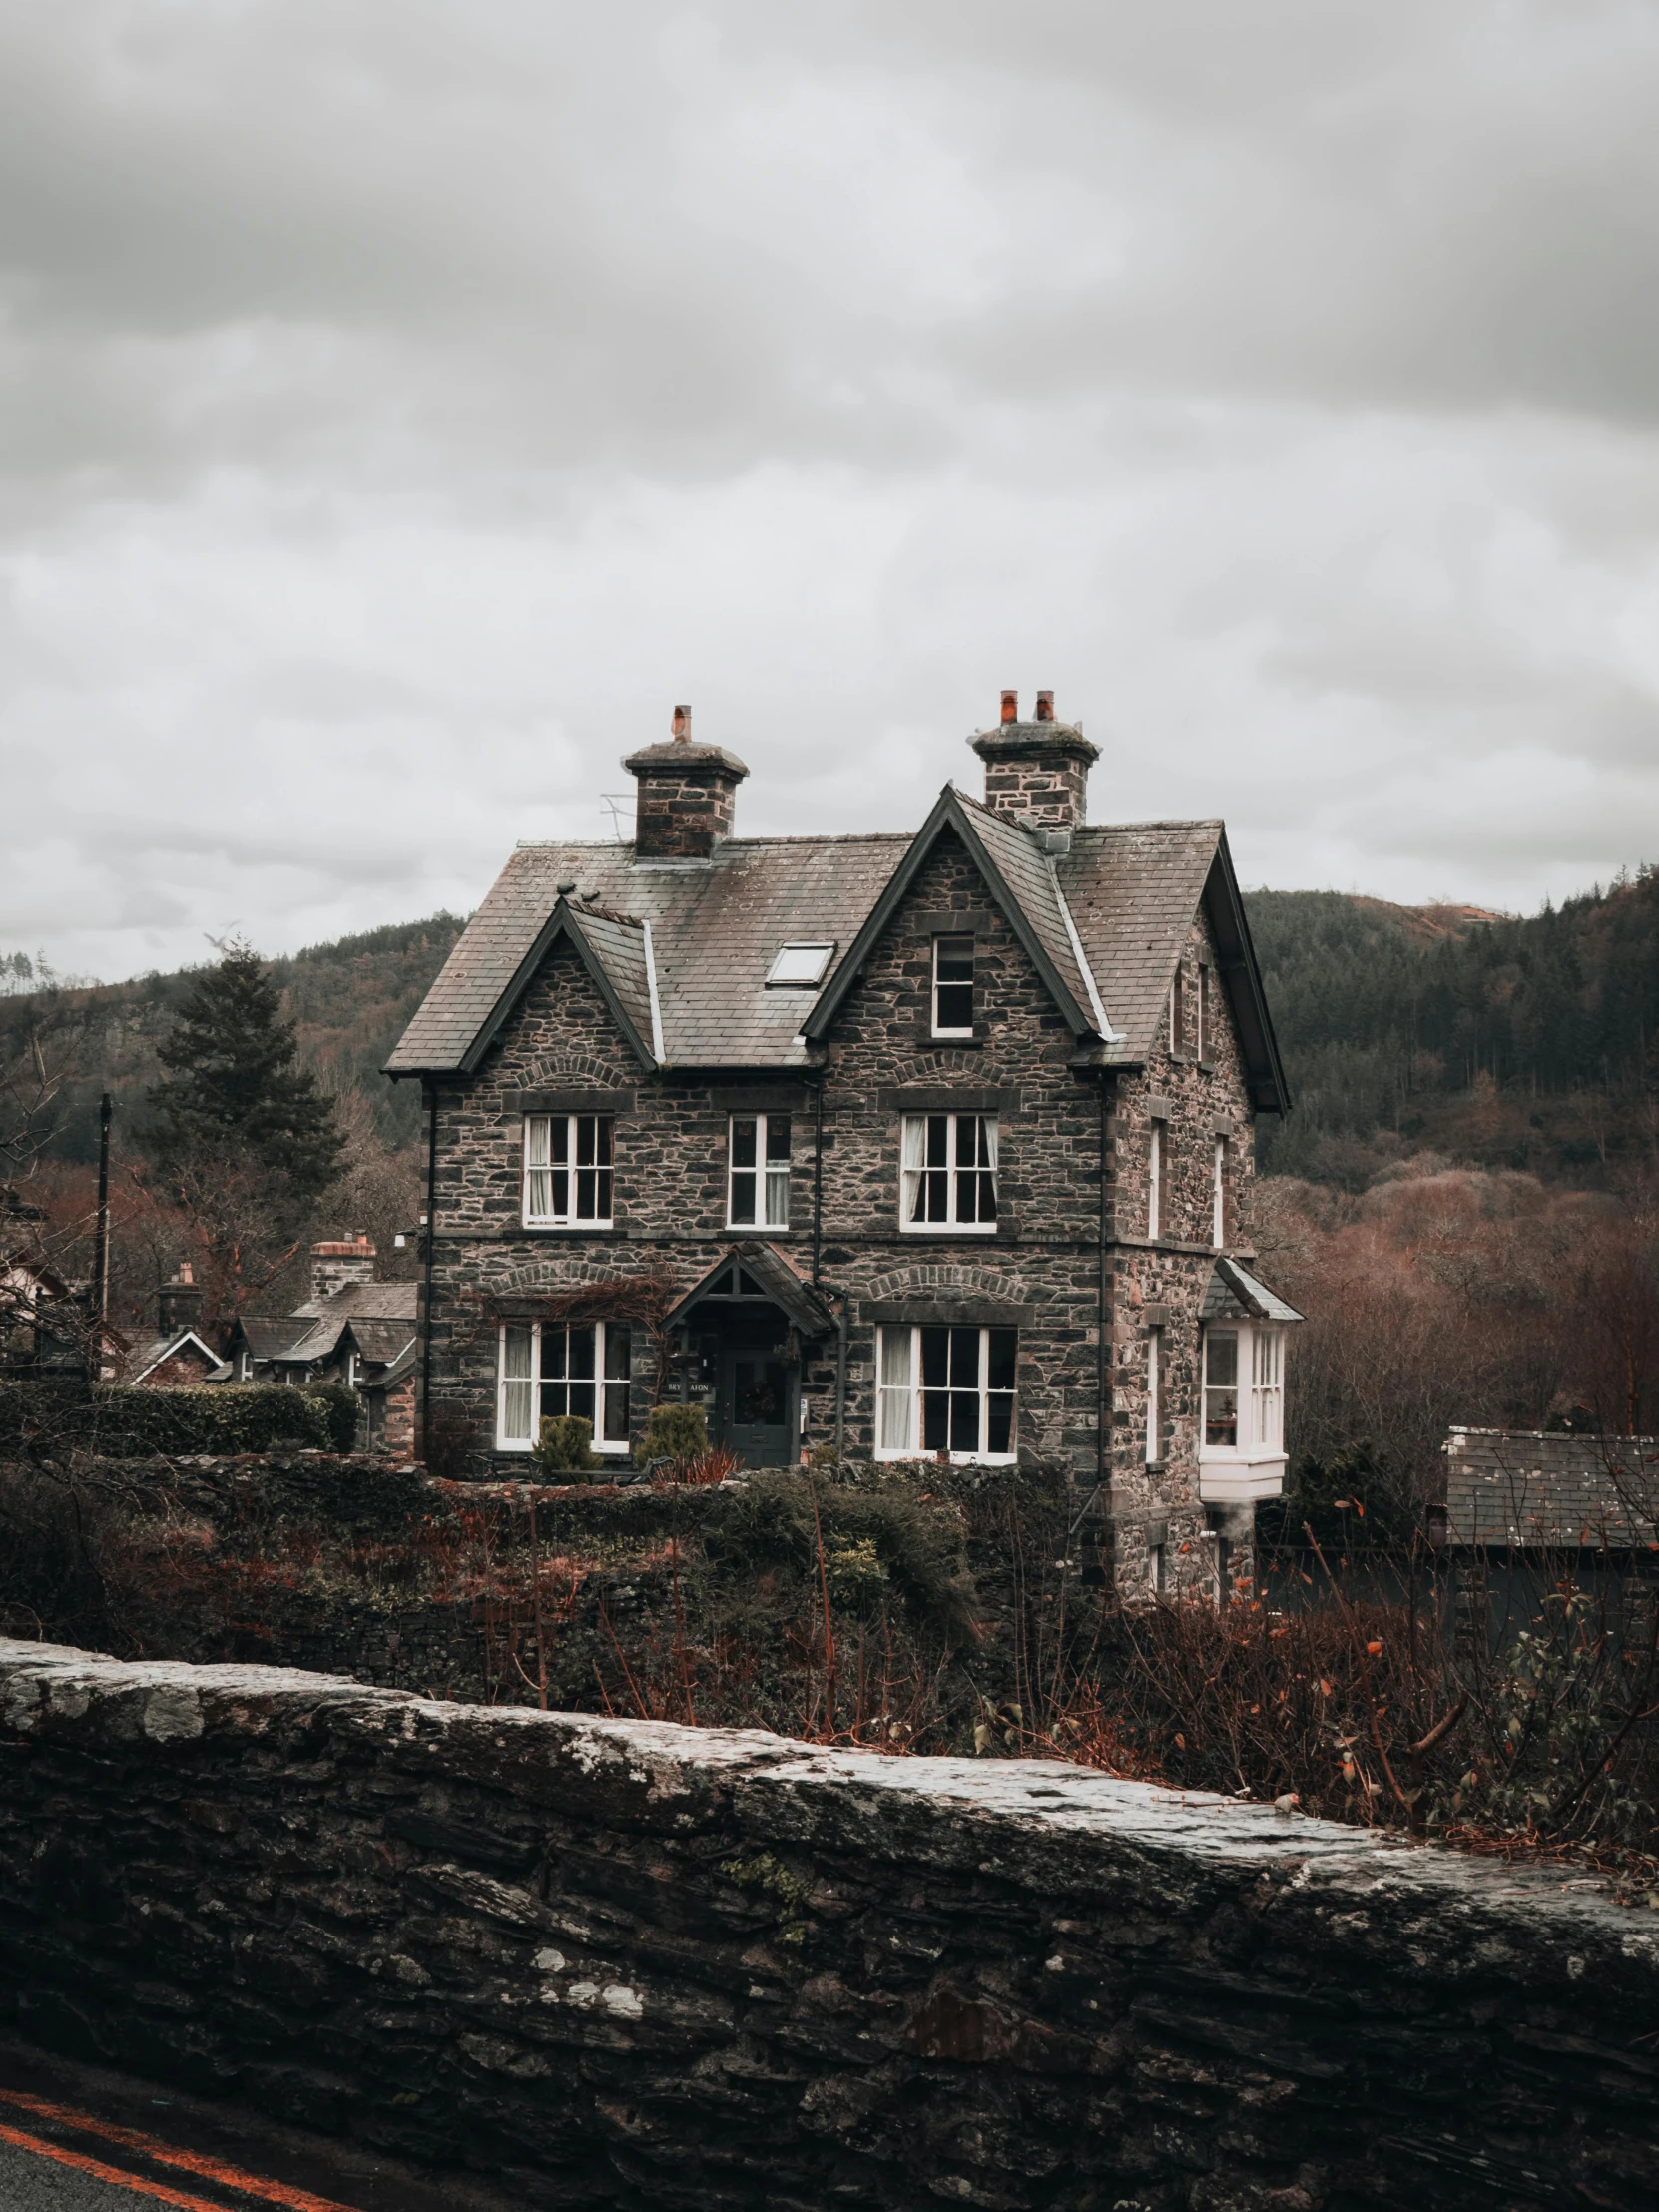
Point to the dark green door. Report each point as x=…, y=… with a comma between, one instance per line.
x=757, y=1400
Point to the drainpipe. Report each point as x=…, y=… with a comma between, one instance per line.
x=817, y=1181
x=840, y=1384
x=1102, y=1369
x=426, y=1301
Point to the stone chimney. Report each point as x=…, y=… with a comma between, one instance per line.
x=179, y=1303
x=1037, y=770
x=333, y=1266
x=686, y=795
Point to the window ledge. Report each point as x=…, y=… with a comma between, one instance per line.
x=572, y=1229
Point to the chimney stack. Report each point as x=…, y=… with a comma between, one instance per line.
x=686, y=795
x=179, y=1303
x=1037, y=771
x=337, y=1264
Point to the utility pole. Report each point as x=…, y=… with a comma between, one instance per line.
x=101, y=1259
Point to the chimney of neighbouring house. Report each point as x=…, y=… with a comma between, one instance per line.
x=179, y=1303
x=686, y=795
x=333, y=1266
x=1038, y=769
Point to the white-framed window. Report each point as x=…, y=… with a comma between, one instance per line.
x=953, y=987
x=1155, y=1181
x=1203, y=1043
x=1177, y=1012
x=1218, y=1226
x=1155, y=1569
x=758, y=1171
x=947, y=1390
x=1243, y=1391
x=949, y=1172
x=558, y=1368
x=569, y=1170
x=798, y=966
x=1153, y=1397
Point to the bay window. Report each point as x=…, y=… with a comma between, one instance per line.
x=1242, y=1416
x=949, y=1172
x=758, y=1174
x=549, y=1369
x=949, y=1389
x=568, y=1171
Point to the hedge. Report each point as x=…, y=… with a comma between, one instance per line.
x=133, y=1423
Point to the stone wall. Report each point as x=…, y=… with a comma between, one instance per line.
x=629, y=1964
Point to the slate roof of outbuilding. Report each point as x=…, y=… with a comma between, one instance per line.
x=1133, y=890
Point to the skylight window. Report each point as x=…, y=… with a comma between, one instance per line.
x=800, y=965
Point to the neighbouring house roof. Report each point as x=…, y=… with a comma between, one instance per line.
x=774, y=1276
x=145, y=1357
x=1130, y=893
x=1234, y=1293
x=380, y=1341
x=363, y=1301
x=1527, y=1489
x=397, y=1372
x=269, y=1337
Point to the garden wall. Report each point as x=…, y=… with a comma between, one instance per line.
x=624, y=1963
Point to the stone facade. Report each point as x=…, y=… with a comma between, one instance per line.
x=1071, y=1264
x=622, y=1964
x=1044, y=1266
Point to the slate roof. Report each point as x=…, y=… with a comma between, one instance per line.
x=370, y=1301
x=381, y=1341
x=1132, y=890
x=270, y=1337
x=1234, y=1293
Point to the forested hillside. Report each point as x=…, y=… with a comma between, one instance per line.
x=1510, y=1043
x=351, y=1000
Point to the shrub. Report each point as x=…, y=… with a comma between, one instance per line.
x=675, y=1432
x=341, y=1409
x=136, y=1423
x=565, y=1446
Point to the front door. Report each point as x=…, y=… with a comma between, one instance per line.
x=756, y=1401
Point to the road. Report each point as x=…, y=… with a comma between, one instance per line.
x=75, y=2138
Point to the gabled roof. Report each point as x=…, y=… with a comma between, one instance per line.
x=716, y=926
x=1020, y=876
x=774, y=1276
x=158, y=1349
x=1129, y=892
x=1234, y=1293
x=380, y=1342
x=268, y=1337
x=615, y=951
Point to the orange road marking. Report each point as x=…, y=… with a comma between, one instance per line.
x=100, y=2172
x=165, y=2154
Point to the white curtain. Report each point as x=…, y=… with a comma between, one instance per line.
x=916, y=1152
x=895, y=1429
x=517, y=1387
x=538, y=1162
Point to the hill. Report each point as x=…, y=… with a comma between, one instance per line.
x=1524, y=1043
x=1503, y=1042
x=351, y=1000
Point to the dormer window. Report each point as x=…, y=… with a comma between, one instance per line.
x=953, y=987
x=800, y=966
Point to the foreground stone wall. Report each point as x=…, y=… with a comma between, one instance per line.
x=625, y=1964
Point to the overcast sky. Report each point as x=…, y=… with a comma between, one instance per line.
x=404, y=404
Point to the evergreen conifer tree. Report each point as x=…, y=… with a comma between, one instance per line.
x=235, y=1091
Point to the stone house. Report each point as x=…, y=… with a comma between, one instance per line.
x=890, y=1145
x=352, y=1330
